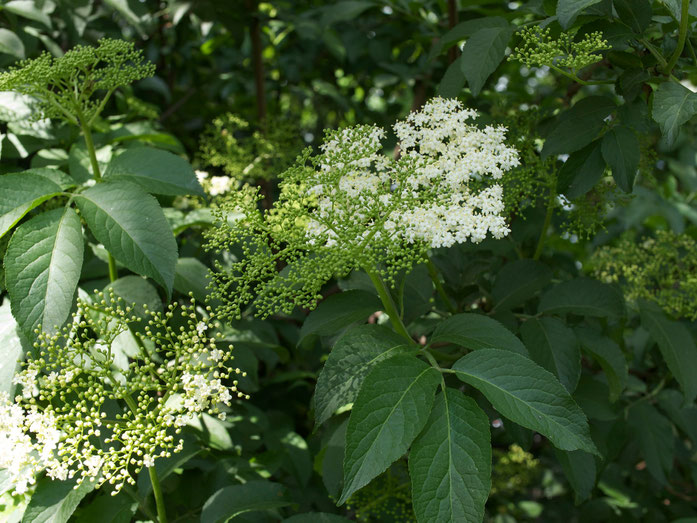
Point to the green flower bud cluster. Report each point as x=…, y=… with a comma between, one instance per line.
x=76, y=86
x=539, y=48
x=386, y=498
x=662, y=269
x=246, y=154
x=514, y=469
x=351, y=207
x=110, y=400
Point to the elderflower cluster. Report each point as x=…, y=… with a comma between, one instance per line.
x=65, y=87
x=539, y=48
x=662, y=269
x=244, y=153
x=351, y=206
x=100, y=400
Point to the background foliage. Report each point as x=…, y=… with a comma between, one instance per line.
x=596, y=282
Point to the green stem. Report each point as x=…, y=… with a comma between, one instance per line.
x=433, y=272
x=159, y=499
x=389, y=305
x=91, y=151
x=548, y=219
x=578, y=80
x=657, y=55
x=682, y=35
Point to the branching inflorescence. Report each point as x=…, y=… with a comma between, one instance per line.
x=76, y=86
x=351, y=206
x=89, y=410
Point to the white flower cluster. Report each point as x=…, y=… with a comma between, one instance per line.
x=64, y=421
x=441, y=190
x=215, y=185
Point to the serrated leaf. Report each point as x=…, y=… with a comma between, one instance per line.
x=55, y=501
x=63, y=180
x=620, y=148
x=20, y=194
x=106, y=508
x=518, y=281
x=635, y=13
x=673, y=105
x=154, y=170
x=476, y=331
x=232, y=501
x=554, y=346
x=577, y=127
x=42, y=268
x=583, y=296
x=579, y=468
x=568, y=10
x=450, y=461
x=392, y=407
x=654, y=434
x=339, y=311
x=482, y=54
x=79, y=164
x=581, y=171
x=133, y=228
x=527, y=394
x=352, y=357
x=463, y=30
x=676, y=345
x=685, y=418
x=609, y=355
x=136, y=290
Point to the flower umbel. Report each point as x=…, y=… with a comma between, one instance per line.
x=351, y=206
x=92, y=409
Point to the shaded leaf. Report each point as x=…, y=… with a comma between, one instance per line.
x=583, y=296
x=581, y=171
x=673, y=105
x=21, y=192
x=579, y=468
x=518, y=281
x=568, y=10
x=482, y=54
x=609, y=355
x=232, y=501
x=392, y=407
x=476, y=331
x=527, y=394
x=42, y=268
x=339, y=311
x=655, y=436
x=620, y=148
x=55, y=501
x=450, y=461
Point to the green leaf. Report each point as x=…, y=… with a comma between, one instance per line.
x=635, y=13
x=392, y=407
x=232, y=501
x=583, y=296
x=213, y=432
x=620, y=150
x=578, y=126
x=316, y=517
x=13, y=346
x=106, y=508
x=450, y=461
x=527, y=394
x=676, y=345
x=136, y=290
x=21, y=192
x=11, y=44
x=673, y=105
x=42, y=268
x=519, y=281
x=55, y=501
x=581, y=171
x=464, y=30
x=568, y=10
x=79, y=164
x=133, y=228
x=482, y=54
x=685, y=418
x=609, y=355
x=28, y=9
x=154, y=170
x=339, y=311
x=192, y=276
x=654, y=434
x=579, y=468
x=453, y=81
x=352, y=357
x=554, y=346
x=476, y=331
x=63, y=180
